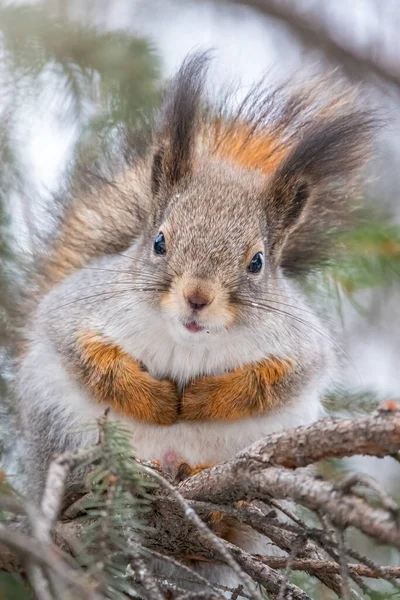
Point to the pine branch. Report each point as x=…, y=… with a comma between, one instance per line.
x=47, y=557
x=35, y=42
x=267, y=471
x=251, y=477
x=377, y=434
x=370, y=257
x=312, y=566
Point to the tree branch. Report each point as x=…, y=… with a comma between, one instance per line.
x=377, y=434
x=326, y=566
x=48, y=557
x=312, y=31
x=343, y=509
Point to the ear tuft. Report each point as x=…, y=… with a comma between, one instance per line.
x=317, y=179
x=175, y=132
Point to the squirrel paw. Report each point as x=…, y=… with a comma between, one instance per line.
x=245, y=392
x=162, y=402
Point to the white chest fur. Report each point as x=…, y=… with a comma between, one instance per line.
x=208, y=442
x=168, y=351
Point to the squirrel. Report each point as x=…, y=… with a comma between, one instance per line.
x=169, y=291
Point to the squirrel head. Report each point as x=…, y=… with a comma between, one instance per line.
x=240, y=200
x=227, y=200
x=211, y=245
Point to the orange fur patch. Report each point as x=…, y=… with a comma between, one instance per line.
x=246, y=392
x=115, y=378
x=240, y=144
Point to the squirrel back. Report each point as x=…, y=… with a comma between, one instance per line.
x=308, y=143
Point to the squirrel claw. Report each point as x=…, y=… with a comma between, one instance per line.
x=184, y=471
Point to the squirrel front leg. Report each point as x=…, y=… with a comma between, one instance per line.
x=248, y=391
x=114, y=378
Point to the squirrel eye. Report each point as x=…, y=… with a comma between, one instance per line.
x=256, y=263
x=159, y=245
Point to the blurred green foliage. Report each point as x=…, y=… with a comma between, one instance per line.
x=372, y=257
x=12, y=586
x=367, y=259
x=110, y=76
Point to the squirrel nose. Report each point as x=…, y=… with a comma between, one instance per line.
x=197, y=300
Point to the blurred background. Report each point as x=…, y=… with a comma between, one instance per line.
x=74, y=73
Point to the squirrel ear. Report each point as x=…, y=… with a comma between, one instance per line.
x=176, y=127
x=157, y=170
x=287, y=199
x=308, y=196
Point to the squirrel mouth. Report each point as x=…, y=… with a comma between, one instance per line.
x=193, y=326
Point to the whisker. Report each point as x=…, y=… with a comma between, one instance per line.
x=258, y=302
x=116, y=313
x=128, y=272
x=136, y=273
x=97, y=296
x=171, y=267
x=135, y=286
x=140, y=260
x=82, y=299
x=301, y=331
x=323, y=334
x=287, y=314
